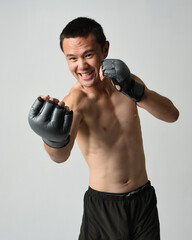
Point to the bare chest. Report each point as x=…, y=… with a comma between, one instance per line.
x=107, y=118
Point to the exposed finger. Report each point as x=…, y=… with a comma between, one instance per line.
x=61, y=104
x=101, y=74
x=54, y=99
x=67, y=108
x=118, y=87
x=44, y=97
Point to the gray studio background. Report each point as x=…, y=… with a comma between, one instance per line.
x=42, y=200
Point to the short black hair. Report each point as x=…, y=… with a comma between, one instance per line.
x=82, y=27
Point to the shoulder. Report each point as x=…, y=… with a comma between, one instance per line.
x=75, y=98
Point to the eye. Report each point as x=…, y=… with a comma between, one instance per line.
x=89, y=55
x=72, y=59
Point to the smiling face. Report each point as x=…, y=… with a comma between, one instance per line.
x=84, y=56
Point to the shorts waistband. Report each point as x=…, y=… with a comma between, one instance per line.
x=108, y=195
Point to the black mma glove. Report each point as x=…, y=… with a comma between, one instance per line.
x=51, y=122
x=119, y=73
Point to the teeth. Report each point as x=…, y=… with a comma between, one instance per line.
x=85, y=74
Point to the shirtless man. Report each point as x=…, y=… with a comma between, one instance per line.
x=100, y=112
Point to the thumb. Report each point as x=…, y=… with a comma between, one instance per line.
x=101, y=74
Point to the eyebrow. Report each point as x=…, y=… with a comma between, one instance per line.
x=87, y=51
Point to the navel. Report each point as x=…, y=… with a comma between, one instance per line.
x=104, y=129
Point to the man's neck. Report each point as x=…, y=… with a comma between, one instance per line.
x=101, y=88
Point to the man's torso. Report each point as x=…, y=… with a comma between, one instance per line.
x=109, y=137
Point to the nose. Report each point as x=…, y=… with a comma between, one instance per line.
x=82, y=64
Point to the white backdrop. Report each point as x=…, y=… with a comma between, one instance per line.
x=42, y=200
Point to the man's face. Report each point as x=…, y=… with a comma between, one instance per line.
x=84, y=56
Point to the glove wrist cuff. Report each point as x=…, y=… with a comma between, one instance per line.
x=135, y=92
x=56, y=144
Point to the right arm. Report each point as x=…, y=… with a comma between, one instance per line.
x=46, y=121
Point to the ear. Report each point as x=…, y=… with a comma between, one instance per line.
x=106, y=49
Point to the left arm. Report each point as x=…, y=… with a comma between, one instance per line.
x=133, y=87
x=157, y=105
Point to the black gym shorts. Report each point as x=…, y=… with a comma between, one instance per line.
x=128, y=216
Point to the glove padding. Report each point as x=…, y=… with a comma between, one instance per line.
x=119, y=73
x=51, y=122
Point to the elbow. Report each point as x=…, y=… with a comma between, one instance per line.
x=58, y=155
x=60, y=159
x=174, y=116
